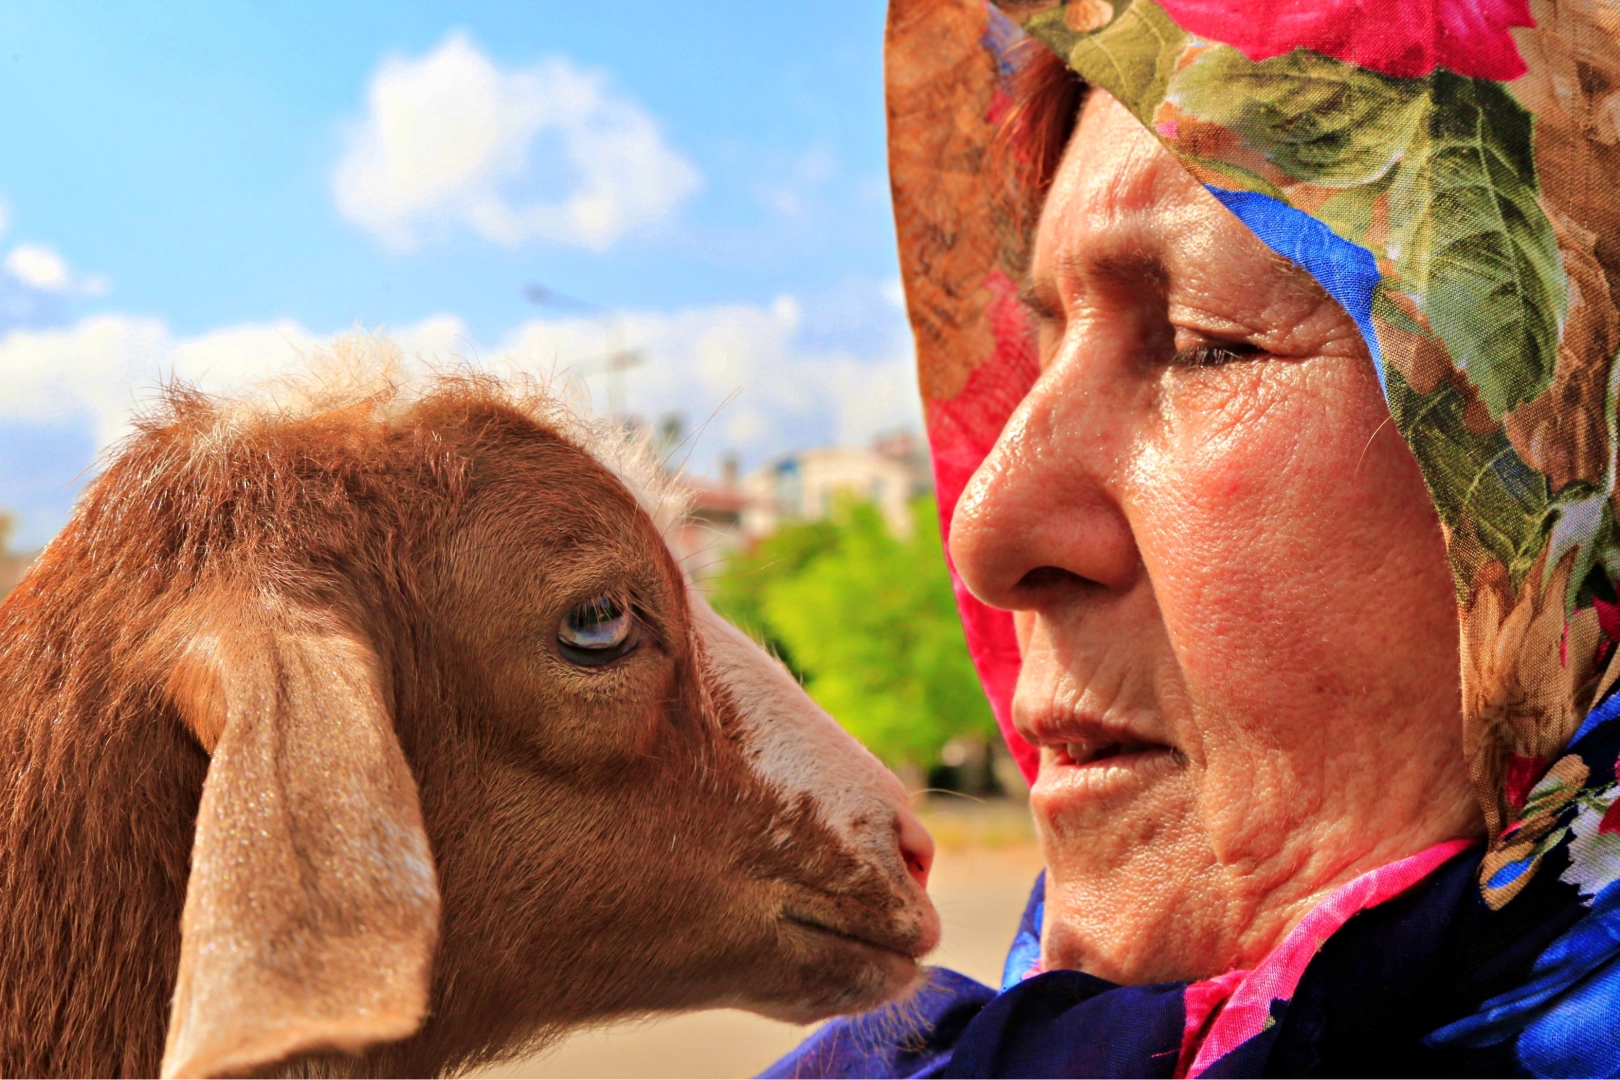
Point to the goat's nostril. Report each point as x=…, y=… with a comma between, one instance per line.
x=916, y=847
x=917, y=867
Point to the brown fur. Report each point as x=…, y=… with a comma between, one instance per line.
x=598, y=844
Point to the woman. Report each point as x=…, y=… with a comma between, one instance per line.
x=1268, y=356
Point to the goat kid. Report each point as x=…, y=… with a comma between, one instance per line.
x=384, y=736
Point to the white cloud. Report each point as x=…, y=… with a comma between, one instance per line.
x=107, y=367
x=102, y=369
x=542, y=153
x=746, y=370
x=39, y=267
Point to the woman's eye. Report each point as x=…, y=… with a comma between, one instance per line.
x=595, y=632
x=1214, y=355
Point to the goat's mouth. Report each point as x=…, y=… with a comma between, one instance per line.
x=822, y=967
x=905, y=947
x=839, y=953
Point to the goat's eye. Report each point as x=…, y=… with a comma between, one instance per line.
x=595, y=632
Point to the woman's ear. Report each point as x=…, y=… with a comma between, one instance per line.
x=312, y=910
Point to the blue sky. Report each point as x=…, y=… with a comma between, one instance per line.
x=214, y=190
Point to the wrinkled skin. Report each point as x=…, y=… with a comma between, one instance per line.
x=1230, y=586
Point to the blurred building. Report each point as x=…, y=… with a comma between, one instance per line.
x=711, y=531
x=911, y=450
x=805, y=485
x=13, y=565
x=732, y=513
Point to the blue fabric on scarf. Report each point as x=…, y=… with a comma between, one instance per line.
x=911, y=1039
x=1048, y=1025
x=1347, y=271
x=1026, y=946
x=1561, y=1018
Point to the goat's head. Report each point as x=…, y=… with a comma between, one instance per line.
x=483, y=764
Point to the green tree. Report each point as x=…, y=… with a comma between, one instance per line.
x=739, y=592
x=870, y=622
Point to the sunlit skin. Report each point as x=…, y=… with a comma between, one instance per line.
x=1231, y=591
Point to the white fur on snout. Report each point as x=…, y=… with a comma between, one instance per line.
x=797, y=747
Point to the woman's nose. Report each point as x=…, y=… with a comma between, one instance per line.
x=1044, y=509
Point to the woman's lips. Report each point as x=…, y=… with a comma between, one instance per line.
x=1092, y=751
x=1080, y=740
x=1088, y=758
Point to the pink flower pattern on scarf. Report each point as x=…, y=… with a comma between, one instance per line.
x=1404, y=38
x=1247, y=996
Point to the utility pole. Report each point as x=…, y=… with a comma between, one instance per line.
x=614, y=360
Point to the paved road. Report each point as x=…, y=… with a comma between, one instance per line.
x=980, y=893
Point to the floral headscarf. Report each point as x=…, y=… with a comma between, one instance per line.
x=1447, y=171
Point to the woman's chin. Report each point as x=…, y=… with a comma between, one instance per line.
x=1114, y=834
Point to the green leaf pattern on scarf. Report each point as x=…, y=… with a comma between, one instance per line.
x=1132, y=54
x=1314, y=118
x=1468, y=240
x=1495, y=505
x=1474, y=244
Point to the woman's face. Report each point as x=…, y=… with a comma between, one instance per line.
x=1238, y=627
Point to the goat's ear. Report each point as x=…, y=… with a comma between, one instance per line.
x=312, y=910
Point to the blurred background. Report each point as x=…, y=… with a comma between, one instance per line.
x=680, y=211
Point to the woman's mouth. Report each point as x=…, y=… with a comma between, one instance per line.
x=1092, y=751
x=1095, y=760
x=1089, y=761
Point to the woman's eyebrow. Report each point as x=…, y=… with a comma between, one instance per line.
x=1124, y=269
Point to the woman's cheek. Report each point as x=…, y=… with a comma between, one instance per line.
x=1247, y=532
